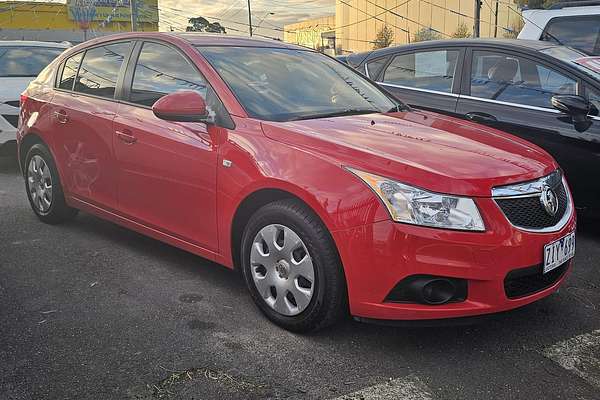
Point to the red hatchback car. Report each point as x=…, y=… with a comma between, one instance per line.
x=326, y=192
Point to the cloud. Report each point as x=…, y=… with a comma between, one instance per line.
x=233, y=14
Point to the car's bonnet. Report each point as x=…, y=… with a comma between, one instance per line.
x=424, y=149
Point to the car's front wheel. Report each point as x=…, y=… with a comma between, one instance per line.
x=292, y=268
x=43, y=186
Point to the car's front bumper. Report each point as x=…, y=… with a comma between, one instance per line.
x=378, y=256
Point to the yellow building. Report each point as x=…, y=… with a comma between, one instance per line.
x=314, y=33
x=357, y=22
x=75, y=21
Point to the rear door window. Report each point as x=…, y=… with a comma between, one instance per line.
x=580, y=32
x=431, y=70
x=161, y=70
x=374, y=67
x=515, y=79
x=69, y=72
x=100, y=68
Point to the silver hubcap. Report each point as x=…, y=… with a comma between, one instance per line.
x=39, y=182
x=282, y=269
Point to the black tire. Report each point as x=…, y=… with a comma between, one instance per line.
x=58, y=210
x=329, y=300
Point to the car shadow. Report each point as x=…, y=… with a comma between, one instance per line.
x=171, y=257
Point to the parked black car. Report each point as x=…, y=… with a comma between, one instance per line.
x=537, y=90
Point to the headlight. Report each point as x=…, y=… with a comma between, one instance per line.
x=416, y=206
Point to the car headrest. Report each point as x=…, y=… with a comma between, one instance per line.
x=504, y=70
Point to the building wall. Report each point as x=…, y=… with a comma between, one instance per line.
x=53, y=22
x=358, y=21
x=308, y=33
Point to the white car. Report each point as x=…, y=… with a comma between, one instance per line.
x=575, y=24
x=20, y=63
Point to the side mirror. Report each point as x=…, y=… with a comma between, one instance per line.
x=576, y=107
x=182, y=106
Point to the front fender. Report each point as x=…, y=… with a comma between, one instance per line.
x=256, y=162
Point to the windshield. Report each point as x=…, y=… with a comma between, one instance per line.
x=25, y=61
x=286, y=84
x=581, y=32
x=573, y=57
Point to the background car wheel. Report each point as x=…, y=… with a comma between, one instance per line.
x=43, y=187
x=292, y=268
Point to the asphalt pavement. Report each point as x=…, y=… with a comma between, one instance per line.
x=90, y=310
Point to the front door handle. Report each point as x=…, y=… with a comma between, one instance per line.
x=61, y=116
x=481, y=117
x=126, y=137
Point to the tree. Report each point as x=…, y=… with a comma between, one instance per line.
x=384, y=38
x=201, y=24
x=462, y=31
x=424, y=34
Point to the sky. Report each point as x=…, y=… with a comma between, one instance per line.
x=233, y=14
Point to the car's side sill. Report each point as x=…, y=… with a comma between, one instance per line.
x=144, y=230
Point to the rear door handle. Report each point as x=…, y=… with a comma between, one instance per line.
x=61, y=116
x=126, y=136
x=481, y=117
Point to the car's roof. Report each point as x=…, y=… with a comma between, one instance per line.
x=535, y=45
x=211, y=39
x=30, y=43
x=199, y=39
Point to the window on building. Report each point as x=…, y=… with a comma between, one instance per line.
x=514, y=79
x=69, y=72
x=99, y=69
x=581, y=32
x=432, y=70
x=161, y=70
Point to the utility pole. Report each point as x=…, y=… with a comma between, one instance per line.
x=496, y=21
x=249, y=18
x=477, y=18
x=133, y=11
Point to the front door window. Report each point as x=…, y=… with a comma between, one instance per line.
x=515, y=79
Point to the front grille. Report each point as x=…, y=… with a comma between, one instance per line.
x=12, y=119
x=529, y=213
x=525, y=281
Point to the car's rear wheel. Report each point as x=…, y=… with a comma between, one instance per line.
x=43, y=186
x=292, y=268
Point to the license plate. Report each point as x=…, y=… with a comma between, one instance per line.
x=559, y=252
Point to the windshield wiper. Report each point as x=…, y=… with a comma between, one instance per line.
x=340, y=113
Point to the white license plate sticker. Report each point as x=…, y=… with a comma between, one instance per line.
x=559, y=252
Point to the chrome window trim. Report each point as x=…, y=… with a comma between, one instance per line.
x=534, y=189
x=367, y=70
x=506, y=103
x=418, y=89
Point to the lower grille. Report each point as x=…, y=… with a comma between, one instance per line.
x=12, y=119
x=525, y=281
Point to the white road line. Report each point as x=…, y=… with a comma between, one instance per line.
x=580, y=355
x=406, y=388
